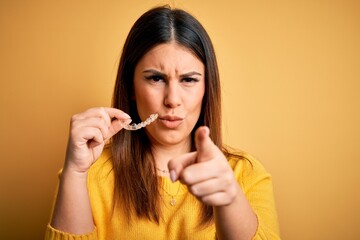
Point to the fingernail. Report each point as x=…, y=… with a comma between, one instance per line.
x=173, y=176
x=125, y=115
x=207, y=130
x=127, y=121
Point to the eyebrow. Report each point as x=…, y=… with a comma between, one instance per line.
x=190, y=74
x=153, y=71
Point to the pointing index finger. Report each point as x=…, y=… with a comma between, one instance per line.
x=203, y=144
x=177, y=165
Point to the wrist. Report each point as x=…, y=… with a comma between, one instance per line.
x=77, y=165
x=69, y=172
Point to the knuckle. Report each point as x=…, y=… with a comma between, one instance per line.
x=205, y=200
x=74, y=118
x=194, y=190
x=231, y=194
x=102, y=112
x=186, y=176
x=171, y=164
x=229, y=178
x=209, y=200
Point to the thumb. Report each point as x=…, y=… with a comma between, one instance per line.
x=204, y=144
x=118, y=119
x=117, y=125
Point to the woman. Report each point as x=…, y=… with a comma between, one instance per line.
x=172, y=179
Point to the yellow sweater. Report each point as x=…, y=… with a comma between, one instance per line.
x=178, y=221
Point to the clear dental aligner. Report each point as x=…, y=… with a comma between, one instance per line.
x=134, y=126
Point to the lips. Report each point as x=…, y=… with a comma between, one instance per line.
x=170, y=121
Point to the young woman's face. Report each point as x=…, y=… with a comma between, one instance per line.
x=169, y=80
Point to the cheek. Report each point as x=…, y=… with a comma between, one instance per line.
x=200, y=96
x=195, y=103
x=147, y=101
x=149, y=97
x=140, y=92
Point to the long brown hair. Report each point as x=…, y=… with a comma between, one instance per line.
x=136, y=184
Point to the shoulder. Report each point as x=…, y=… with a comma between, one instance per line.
x=242, y=162
x=248, y=170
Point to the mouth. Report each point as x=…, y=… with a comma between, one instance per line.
x=170, y=118
x=170, y=121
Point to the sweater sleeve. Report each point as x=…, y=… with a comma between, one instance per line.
x=257, y=185
x=54, y=234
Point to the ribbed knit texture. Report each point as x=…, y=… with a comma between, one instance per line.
x=179, y=221
x=55, y=234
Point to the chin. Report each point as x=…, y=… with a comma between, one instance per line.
x=168, y=137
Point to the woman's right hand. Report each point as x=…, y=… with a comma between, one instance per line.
x=89, y=132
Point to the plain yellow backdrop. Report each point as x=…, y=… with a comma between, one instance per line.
x=290, y=75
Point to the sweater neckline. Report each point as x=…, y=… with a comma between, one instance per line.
x=172, y=188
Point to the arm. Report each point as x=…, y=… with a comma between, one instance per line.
x=256, y=185
x=72, y=211
x=210, y=178
x=88, y=133
x=236, y=220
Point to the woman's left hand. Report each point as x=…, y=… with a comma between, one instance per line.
x=206, y=172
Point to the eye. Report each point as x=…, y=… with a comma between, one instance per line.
x=189, y=80
x=155, y=78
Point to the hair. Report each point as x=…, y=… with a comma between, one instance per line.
x=136, y=184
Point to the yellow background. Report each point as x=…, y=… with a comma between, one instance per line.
x=291, y=91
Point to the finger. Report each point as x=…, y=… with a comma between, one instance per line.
x=204, y=144
x=177, y=165
x=217, y=199
x=119, y=119
x=117, y=125
x=94, y=122
x=199, y=172
x=91, y=137
x=116, y=113
x=106, y=114
x=102, y=112
x=208, y=187
x=97, y=138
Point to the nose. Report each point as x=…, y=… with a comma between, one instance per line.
x=172, y=97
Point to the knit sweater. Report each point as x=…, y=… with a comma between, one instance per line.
x=179, y=221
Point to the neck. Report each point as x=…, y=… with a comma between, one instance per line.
x=163, y=154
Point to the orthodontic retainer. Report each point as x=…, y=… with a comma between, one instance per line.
x=137, y=126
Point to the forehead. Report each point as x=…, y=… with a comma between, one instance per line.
x=171, y=55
